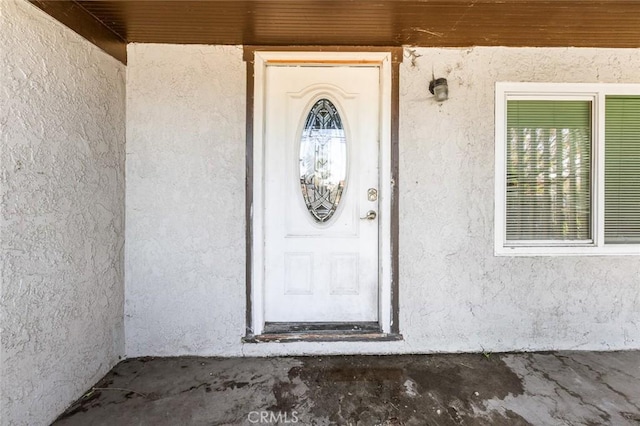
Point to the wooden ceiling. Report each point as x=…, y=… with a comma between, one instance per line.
x=447, y=23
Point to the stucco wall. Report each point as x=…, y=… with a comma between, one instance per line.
x=185, y=213
x=185, y=199
x=62, y=214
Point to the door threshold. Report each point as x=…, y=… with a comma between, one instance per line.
x=321, y=332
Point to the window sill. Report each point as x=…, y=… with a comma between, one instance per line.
x=610, y=250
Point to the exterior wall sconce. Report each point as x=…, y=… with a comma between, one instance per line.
x=439, y=88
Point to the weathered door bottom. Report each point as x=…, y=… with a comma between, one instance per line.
x=322, y=331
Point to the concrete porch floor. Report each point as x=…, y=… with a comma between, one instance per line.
x=553, y=388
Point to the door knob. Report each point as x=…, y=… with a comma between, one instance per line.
x=371, y=215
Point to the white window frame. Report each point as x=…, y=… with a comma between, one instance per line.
x=596, y=92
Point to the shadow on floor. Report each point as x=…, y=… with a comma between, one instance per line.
x=559, y=388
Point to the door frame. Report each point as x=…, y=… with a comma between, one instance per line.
x=388, y=60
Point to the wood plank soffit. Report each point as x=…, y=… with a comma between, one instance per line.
x=86, y=25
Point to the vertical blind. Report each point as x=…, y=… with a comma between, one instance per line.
x=622, y=169
x=548, y=170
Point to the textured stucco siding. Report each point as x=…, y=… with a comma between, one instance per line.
x=185, y=274
x=62, y=119
x=185, y=245
x=455, y=294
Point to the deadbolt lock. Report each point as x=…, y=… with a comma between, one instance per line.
x=372, y=194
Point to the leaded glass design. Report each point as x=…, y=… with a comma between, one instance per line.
x=323, y=160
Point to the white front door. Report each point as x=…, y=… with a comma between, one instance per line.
x=321, y=183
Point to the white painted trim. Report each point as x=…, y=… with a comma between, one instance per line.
x=324, y=58
x=607, y=250
x=500, y=184
x=385, y=194
x=597, y=162
x=261, y=61
x=257, y=205
x=596, y=92
x=560, y=89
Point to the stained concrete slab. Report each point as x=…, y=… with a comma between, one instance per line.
x=554, y=388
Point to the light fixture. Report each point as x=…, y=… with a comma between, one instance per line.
x=439, y=88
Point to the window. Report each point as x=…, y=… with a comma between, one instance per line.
x=567, y=169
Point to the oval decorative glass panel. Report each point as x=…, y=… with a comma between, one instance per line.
x=323, y=160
